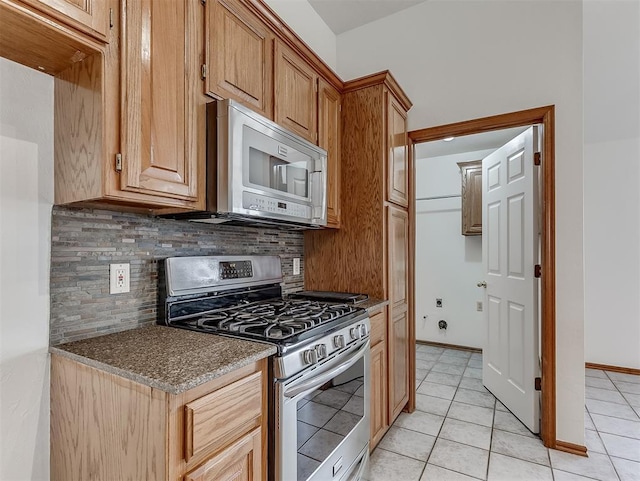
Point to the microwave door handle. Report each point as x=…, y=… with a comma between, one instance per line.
x=318, y=181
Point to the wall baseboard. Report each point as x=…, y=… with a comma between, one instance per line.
x=571, y=448
x=448, y=346
x=606, y=367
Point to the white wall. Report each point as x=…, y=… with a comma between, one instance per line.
x=611, y=182
x=26, y=197
x=465, y=59
x=448, y=265
x=305, y=21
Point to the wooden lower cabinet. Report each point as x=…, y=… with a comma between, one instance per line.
x=242, y=461
x=104, y=426
x=379, y=418
x=398, y=354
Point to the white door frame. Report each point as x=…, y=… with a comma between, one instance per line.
x=546, y=117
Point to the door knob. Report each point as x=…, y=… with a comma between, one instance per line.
x=482, y=284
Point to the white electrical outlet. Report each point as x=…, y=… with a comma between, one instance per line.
x=119, y=278
x=479, y=306
x=296, y=266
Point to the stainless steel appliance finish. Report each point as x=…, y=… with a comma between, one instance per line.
x=260, y=173
x=319, y=401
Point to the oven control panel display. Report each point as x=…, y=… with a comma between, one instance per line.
x=235, y=270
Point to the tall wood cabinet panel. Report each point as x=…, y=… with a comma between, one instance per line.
x=370, y=251
x=296, y=84
x=397, y=177
x=471, y=173
x=329, y=133
x=239, y=56
x=89, y=16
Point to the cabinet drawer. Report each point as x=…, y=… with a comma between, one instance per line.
x=378, y=327
x=223, y=415
x=239, y=462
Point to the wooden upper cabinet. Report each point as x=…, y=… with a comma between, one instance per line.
x=296, y=84
x=159, y=113
x=397, y=177
x=239, y=56
x=329, y=133
x=89, y=16
x=471, y=173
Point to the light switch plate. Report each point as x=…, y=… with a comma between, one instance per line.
x=119, y=278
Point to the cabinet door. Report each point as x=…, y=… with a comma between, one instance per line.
x=329, y=130
x=398, y=161
x=471, y=197
x=398, y=364
x=159, y=119
x=379, y=408
x=90, y=16
x=398, y=258
x=242, y=461
x=239, y=56
x=296, y=84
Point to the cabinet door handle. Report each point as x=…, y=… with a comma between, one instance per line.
x=482, y=284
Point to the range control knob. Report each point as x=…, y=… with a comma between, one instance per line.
x=363, y=330
x=321, y=351
x=310, y=356
x=354, y=332
x=338, y=341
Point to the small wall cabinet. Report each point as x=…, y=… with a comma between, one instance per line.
x=471, y=197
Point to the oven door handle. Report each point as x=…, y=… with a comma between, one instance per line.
x=324, y=376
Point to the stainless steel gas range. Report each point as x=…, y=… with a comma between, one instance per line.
x=319, y=392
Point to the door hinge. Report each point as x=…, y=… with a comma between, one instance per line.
x=111, y=18
x=537, y=158
x=118, y=162
x=537, y=270
x=203, y=71
x=537, y=384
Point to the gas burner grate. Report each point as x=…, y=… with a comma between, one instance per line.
x=273, y=319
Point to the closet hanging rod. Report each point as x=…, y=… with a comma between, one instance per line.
x=440, y=197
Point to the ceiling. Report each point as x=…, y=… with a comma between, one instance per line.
x=344, y=15
x=467, y=143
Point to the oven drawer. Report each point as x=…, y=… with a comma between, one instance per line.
x=225, y=414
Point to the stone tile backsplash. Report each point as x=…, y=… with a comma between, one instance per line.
x=85, y=241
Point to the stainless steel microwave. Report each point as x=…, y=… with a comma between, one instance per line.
x=260, y=173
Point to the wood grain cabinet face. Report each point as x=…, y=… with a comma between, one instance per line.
x=398, y=257
x=398, y=355
x=159, y=124
x=89, y=16
x=329, y=133
x=242, y=461
x=239, y=56
x=379, y=379
x=296, y=84
x=397, y=176
x=471, y=197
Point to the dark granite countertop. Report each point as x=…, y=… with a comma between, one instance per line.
x=172, y=360
x=372, y=304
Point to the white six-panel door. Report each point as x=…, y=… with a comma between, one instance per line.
x=509, y=255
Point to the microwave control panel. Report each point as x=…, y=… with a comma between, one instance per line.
x=253, y=201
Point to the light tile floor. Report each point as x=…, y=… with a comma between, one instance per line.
x=459, y=431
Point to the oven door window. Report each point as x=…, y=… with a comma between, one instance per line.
x=327, y=415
